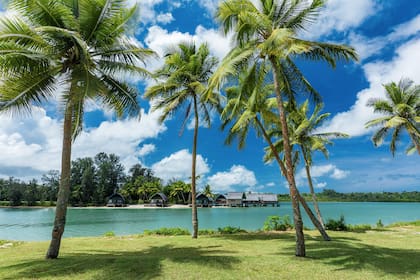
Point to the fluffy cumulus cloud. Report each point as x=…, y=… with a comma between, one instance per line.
x=403, y=64
x=29, y=143
x=33, y=143
x=178, y=166
x=164, y=18
x=237, y=175
x=319, y=172
x=342, y=15
x=367, y=47
x=160, y=39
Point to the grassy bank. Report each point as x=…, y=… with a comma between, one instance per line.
x=393, y=253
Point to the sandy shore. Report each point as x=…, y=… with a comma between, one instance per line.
x=133, y=206
x=138, y=206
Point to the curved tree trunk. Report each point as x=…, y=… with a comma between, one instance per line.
x=64, y=188
x=314, y=220
x=297, y=217
x=308, y=210
x=193, y=171
x=311, y=188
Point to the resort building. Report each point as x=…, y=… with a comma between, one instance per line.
x=250, y=199
x=235, y=199
x=116, y=200
x=158, y=199
x=203, y=200
x=220, y=200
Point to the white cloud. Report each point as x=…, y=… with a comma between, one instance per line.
x=159, y=40
x=165, y=18
x=34, y=143
x=321, y=171
x=178, y=166
x=339, y=174
x=270, y=184
x=403, y=64
x=367, y=47
x=320, y=185
x=237, y=175
x=146, y=149
x=341, y=15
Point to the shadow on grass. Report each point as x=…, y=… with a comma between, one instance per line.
x=144, y=264
x=255, y=236
x=348, y=254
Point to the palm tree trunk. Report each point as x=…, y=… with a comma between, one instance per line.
x=193, y=171
x=308, y=210
x=297, y=217
x=64, y=188
x=311, y=188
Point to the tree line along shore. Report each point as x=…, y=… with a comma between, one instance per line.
x=95, y=179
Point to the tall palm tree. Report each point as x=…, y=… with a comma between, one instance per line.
x=401, y=110
x=302, y=133
x=250, y=105
x=269, y=31
x=75, y=49
x=183, y=82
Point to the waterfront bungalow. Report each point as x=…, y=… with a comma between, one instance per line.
x=220, y=200
x=203, y=201
x=269, y=199
x=252, y=199
x=116, y=200
x=158, y=199
x=235, y=199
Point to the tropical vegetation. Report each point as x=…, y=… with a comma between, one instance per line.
x=268, y=34
x=400, y=112
x=182, y=82
x=77, y=49
x=68, y=52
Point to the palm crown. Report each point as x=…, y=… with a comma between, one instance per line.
x=401, y=110
x=75, y=47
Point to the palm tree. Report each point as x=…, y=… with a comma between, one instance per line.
x=183, y=81
x=303, y=134
x=269, y=31
x=74, y=49
x=249, y=105
x=401, y=110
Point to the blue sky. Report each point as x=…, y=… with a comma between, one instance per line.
x=386, y=35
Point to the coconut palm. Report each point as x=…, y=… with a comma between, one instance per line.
x=250, y=105
x=303, y=133
x=73, y=51
x=182, y=83
x=401, y=110
x=268, y=30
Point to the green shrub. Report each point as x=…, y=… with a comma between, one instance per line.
x=167, y=231
x=277, y=223
x=206, y=232
x=359, y=228
x=338, y=225
x=230, y=230
x=109, y=234
x=379, y=224
x=4, y=203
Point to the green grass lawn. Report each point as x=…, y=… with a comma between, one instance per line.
x=388, y=254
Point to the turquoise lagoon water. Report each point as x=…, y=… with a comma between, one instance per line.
x=36, y=224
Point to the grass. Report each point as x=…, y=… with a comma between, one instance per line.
x=391, y=253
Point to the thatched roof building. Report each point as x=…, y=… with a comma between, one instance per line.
x=159, y=199
x=116, y=200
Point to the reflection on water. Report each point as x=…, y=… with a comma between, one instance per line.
x=36, y=224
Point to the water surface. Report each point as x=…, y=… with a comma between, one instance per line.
x=36, y=224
